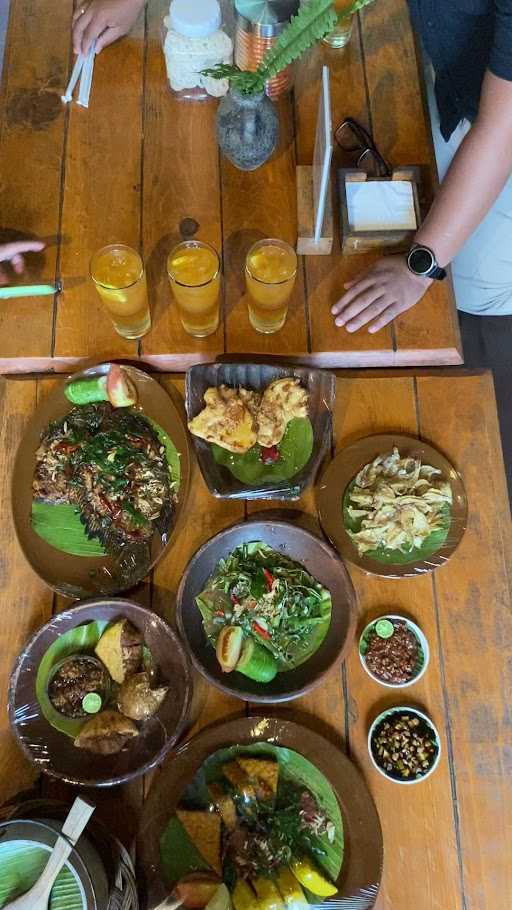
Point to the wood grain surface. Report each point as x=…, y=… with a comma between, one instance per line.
x=138, y=162
x=448, y=839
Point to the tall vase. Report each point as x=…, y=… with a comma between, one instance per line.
x=247, y=129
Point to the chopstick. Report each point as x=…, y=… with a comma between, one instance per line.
x=29, y=290
x=83, y=70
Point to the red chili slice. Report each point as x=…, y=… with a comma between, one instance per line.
x=269, y=455
x=260, y=631
x=269, y=578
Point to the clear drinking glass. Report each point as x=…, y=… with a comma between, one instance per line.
x=194, y=273
x=270, y=273
x=120, y=280
x=340, y=36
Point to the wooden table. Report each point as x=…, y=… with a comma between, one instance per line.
x=448, y=840
x=137, y=162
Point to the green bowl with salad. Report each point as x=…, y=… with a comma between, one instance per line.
x=265, y=609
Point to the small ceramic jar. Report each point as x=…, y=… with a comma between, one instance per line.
x=194, y=41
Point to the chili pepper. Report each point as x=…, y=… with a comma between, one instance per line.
x=269, y=454
x=269, y=578
x=219, y=613
x=260, y=631
x=234, y=599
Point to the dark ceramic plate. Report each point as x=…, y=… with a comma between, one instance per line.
x=342, y=471
x=78, y=576
x=359, y=879
x=318, y=559
x=256, y=377
x=53, y=752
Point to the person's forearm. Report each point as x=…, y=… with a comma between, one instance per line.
x=476, y=177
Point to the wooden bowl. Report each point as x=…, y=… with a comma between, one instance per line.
x=318, y=558
x=52, y=751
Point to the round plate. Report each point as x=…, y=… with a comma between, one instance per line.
x=360, y=875
x=343, y=469
x=53, y=752
x=79, y=576
x=318, y=559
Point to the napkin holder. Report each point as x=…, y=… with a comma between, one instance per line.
x=360, y=241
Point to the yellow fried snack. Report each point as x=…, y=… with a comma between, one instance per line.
x=226, y=420
x=265, y=774
x=282, y=400
x=239, y=780
x=203, y=829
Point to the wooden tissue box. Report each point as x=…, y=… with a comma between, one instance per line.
x=357, y=240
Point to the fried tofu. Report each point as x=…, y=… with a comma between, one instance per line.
x=224, y=804
x=203, y=829
x=226, y=420
x=264, y=773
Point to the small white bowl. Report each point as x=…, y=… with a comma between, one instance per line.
x=410, y=710
x=422, y=641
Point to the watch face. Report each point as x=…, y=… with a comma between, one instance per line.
x=421, y=261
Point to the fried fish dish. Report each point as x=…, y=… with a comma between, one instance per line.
x=111, y=465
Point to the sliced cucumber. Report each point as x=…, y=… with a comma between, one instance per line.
x=87, y=391
x=256, y=662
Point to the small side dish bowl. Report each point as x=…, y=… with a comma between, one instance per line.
x=422, y=723
x=318, y=559
x=38, y=726
x=423, y=649
x=321, y=388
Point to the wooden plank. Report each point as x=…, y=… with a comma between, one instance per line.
x=180, y=180
x=474, y=598
x=102, y=198
x=325, y=276
x=429, y=333
x=26, y=603
x=255, y=205
x=32, y=127
x=412, y=817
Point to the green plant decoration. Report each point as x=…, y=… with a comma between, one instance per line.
x=313, y=22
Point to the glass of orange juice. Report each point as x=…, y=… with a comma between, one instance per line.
x=341, y=35
x=120, y=280
x=270, y=272
x=194, y=273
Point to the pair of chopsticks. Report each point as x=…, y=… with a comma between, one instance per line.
x=83, y=70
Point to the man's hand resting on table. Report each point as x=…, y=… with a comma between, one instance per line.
x=13, y=253
x=379, y=295
x=103, y=21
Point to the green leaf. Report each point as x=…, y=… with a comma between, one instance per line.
x=313, y=22
x=295, y=450
x=175, y=853
x=60, y=526
x=397, y=557
x=21, y=864
x=306, y=647
x=83, y=640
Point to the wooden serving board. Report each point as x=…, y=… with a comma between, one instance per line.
x=447, y=840
x=138, y=162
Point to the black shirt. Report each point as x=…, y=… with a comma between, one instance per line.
x=463, y=39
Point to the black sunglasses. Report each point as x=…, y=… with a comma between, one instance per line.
x=353, y=139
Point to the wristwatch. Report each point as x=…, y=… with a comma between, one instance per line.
x=421, y=261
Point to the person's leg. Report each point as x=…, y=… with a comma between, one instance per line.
x=487, y=342
x=482, y=271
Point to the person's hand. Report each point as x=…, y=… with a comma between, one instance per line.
x=103, y=21
x=379, y=295
x=13, y=253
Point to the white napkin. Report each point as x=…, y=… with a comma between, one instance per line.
x=381, y=205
